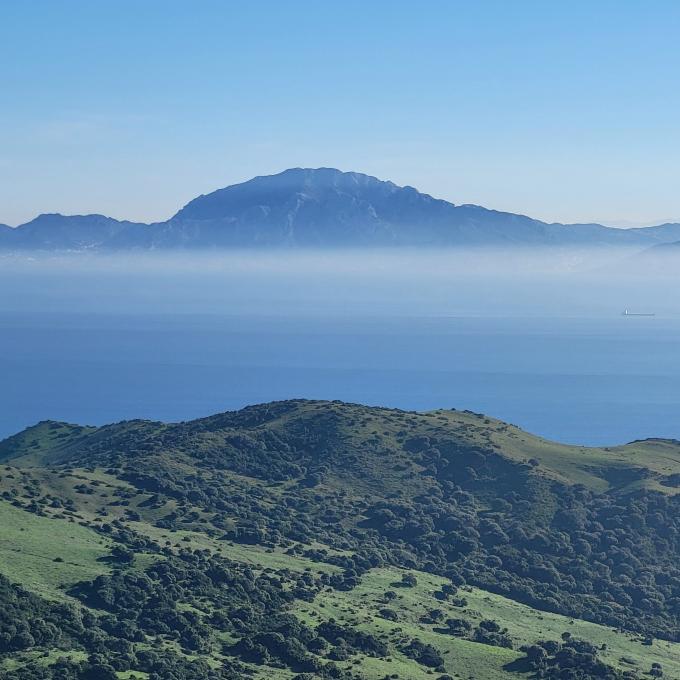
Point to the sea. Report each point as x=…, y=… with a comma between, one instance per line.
x=554, y=355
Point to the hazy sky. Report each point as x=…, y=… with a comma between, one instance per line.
x=562, y=110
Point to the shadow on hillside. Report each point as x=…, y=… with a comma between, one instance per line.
x=518, y=666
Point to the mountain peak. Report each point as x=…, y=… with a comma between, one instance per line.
x=292, y=183
x=323, y=175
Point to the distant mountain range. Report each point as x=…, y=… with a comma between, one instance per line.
x=319, y=208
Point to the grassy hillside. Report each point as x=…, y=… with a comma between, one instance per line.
x=339, y=541
x=47, y=557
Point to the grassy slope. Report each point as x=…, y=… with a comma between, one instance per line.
x=359, y=607
x=597, y=468
x=42, y=442
x=257, y=556
x=29, y=546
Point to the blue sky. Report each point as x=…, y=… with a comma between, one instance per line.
x=562, y=110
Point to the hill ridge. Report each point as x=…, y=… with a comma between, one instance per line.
x=474, y=427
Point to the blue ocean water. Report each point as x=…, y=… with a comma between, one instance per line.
x=588, y=380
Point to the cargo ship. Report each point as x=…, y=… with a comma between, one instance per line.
x=629, y=313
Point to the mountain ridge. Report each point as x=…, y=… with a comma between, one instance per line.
x=320, y=208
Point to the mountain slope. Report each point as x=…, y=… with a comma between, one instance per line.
x=6, y=233
x=320, y=208
x=666, y=233
x=336, y=540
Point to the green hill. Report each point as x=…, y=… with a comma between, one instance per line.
x=335, y=540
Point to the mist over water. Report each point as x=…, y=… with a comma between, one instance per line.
x=533, y=337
